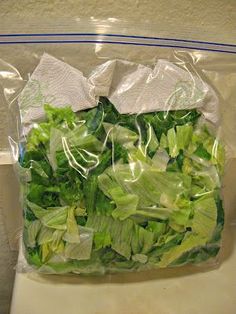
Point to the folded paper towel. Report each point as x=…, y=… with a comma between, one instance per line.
x=131, y=87
x=56, y=82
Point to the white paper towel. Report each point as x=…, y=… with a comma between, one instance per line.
x=131, y=87
x=58, y=83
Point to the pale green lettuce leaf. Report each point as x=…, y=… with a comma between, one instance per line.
x=157, y=228
x=38, y=211
x=162, y=213
x=38, y=169
x=33, y=229
x=160, y=159
x=81, y=137
x=72, y=233
x=172, y=143
x=55, y=145
x=106, y=183
x=189, y=242
x=81, y=250
x=180, y=219
x=120, y=134
x=56, y=218
x=146, y=240
x=137, y=154
x=45, y=251
x=163, y=141
x=120, y=232
x=45, y=235
x=57, y=244
x=147, y=182
x=183, y=135
x=205, y=217
x=152, y=141
x=126, y=204
x=101, y=240
x=203, y=225
x=142, y=240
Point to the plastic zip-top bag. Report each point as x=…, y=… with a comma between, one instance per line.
x=120, y=146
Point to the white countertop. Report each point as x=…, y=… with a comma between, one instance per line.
x=173, y=292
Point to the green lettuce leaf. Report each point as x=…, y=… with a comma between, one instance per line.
x=72, y=233
x=104, y=191
x=56, y=218
x=33, y=229
x=81, y=250
x=184, y=135
x=119, y=134
x=120, y=232
x=172, y=143
x=126, y=204
x=146, y=181
x=102, y=240
x=203, y=225
x=160, y=159
x=190, y=241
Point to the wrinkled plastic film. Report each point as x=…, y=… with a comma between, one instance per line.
x=126, y=186
x=121, y=167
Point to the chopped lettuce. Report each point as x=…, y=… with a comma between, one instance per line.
x=160, y=159
x=80, y=250
x=112, y=192
x=72, y=230
x=126, y=204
